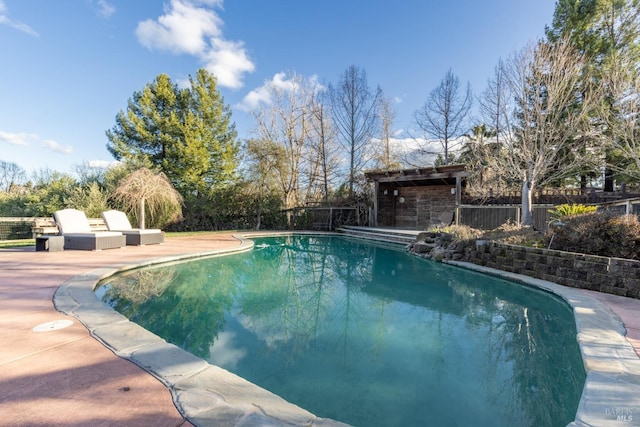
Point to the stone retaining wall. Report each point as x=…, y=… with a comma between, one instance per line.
x=611, y=275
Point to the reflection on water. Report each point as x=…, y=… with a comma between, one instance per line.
x=368, y=335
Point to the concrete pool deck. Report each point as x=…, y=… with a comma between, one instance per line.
x=66, y=376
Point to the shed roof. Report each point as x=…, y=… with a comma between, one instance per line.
x=429, y=175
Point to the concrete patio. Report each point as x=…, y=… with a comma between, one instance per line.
x=65, y=376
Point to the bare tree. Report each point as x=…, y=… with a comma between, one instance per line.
x=88, y=173
x=11, y=175
x=495, y=106
x=285, y=125
x=354, y=106
x=494, y=103
x=323, y=144
x=386, y=157
x=623, y=122
x=444, y=115
x=545, y=129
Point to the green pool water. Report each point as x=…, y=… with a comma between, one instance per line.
x=367, y=334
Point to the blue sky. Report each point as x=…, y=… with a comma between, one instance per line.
x=69, y=66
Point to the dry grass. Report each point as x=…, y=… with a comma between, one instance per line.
x=507, y=233
x=514, y=234
x=17, y=243
x=460, y=232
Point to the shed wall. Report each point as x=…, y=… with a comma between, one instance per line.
x=422, y=207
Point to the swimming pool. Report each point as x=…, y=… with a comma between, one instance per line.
x=367, y=334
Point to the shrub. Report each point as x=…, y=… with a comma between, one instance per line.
x=231, y=208
x=599, y=233
x=568, y=211
x=89, y=198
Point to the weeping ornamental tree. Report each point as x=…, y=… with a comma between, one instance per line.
x=186, y=133
x=146, y=193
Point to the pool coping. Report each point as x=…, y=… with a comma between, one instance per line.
x=209, y=395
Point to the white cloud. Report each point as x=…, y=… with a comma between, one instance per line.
x=280, y=81
x=102, y=164
x=228, y=61
x=420, y=152
x=408, y=145
x=192, y=27
x=253, y=99
x=23, y=139
x=262, y=94
x=209, y=2
x=183, y=82
x=4, y=19
x=413, y=152
x=183, y=29
x=56, y=147
x=105, y=9
x=224, y=354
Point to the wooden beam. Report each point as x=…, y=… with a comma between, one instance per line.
x=423, y=177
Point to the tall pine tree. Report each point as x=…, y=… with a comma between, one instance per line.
x=185, y=133
x=607, y=34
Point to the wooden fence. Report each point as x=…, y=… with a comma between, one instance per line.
x=551, y=196
x=624, y=207
x=16, y=228
x=483, y=217
x=328, y=218
x=488, y=217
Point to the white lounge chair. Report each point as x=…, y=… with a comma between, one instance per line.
x=118, y=221
x=76, y=230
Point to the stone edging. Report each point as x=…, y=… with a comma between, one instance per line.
x=209, y=395
x=204, y=394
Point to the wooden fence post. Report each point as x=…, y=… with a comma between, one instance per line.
x=330, y=218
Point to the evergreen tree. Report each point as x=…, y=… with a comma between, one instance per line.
x=186, y=133
x=607, y=34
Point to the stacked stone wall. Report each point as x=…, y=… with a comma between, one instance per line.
x=611, y=275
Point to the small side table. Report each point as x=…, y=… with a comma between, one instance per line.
x=49, y=243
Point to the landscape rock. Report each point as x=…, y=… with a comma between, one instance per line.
x=422, y=247
x=438, y=253
x=438, y=246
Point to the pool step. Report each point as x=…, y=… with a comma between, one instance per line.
x=381, y=234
